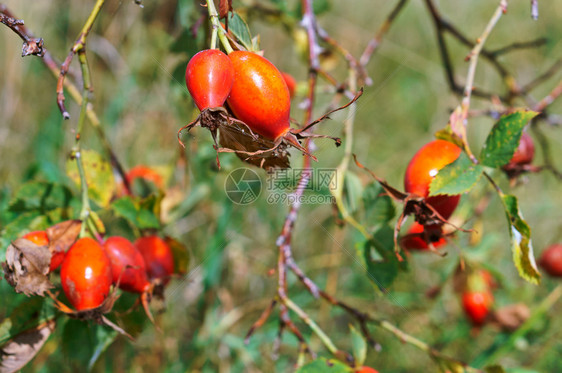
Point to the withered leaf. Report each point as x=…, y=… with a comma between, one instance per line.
x=63, y=235
x=259, y=152
x=225, y=6
x=27, y=266
x=512, y=316
x=23, y=347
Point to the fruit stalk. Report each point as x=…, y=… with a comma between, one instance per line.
x=217, y=28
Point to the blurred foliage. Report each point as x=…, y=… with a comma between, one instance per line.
x=138, y=58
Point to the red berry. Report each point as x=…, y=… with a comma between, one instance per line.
x=476, y=305
x=525, y=152
x=551, y=260
x=157, y=256
x=146, y=173
x=86, y=274
x=366, y=369
x=291, y=83
x=423, y=167
x=127, y=265
x=418, y=242
x=259, y=95
x=40, y=238
x=209, y=77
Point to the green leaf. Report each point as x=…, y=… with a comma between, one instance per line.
x=323, y=365
x=521, y=245
x=379, y=208
x=27, y=315
x=139, y=215
x=240, y=29
x=353, y=189
x=83, y=342
x=504, y=138
x=99, y=176
x=359, y=346
x=457, y=177
x=383, y=268
x=40, y=196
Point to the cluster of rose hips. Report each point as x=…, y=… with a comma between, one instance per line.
x=255, y=90
x=89, y=269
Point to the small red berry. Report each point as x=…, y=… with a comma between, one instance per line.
x=291, y=83
x=525, y=152
x=86, y=274
x=477, y=304
x=209, y=77
x=40, y=238
x=158, y=257
x=417, y=242
x=127, y=265
x=423, y=167
x=551, y=260
x=259, y=96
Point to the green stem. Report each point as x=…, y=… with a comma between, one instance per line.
x=214, y=16
x=344, y=164
x=85, y=211
x=313, y=326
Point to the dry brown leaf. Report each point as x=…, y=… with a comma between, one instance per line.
x=63, y=235
x=23, y=347
x=27, y=266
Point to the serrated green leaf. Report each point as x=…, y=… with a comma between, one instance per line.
x=504, y=138
x=521, y=244
x=382, y=270
x=99, y=176
x=323, y=365
x=379, y=208
x=240, y=29
x=457, y=177
x=359, y=346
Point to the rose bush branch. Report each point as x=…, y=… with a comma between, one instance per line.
x=31, y=45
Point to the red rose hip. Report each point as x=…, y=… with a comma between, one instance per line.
x=209, y=77
x=476, y=305
x=259, y=96
x=157, y=256
x=86, y=274
x=127, y=265
x=551, y=260
x=424, y=166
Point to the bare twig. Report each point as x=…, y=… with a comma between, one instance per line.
x=31, y=45
x=78, y=46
